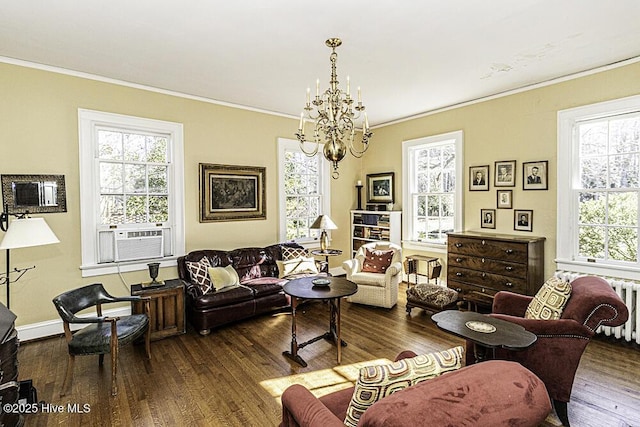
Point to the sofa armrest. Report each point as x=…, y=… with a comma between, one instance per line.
x=301, y=408
x=393, y=270
x=351, y=266
x=560, y=327
x=510, y=303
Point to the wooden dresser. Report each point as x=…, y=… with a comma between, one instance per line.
x=487, y=263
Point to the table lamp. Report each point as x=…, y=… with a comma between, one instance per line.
x=23, y=232
x=323, y=222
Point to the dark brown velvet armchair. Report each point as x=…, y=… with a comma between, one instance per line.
x=555, y=356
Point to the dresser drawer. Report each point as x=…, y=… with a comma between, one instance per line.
x=507, y=251
x=487, y=280
x=488, y=265
x=465, y=288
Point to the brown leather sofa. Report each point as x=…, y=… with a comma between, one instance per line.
x=493, y=393
x=260, y=290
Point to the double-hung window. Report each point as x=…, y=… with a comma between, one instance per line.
x=432, y=190
x=131, y=191
x=599, y=188
x=304, y=191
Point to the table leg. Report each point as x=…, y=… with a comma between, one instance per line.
x=293, y=354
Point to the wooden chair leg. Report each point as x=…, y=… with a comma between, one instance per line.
x=147, y=342
x=68, y=376
x=114, y=359
x=100, y=359
x=561, y=412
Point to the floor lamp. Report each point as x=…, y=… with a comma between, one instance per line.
x=22, y=232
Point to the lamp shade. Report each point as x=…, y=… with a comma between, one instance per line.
x=26, y=232
x=323, y=222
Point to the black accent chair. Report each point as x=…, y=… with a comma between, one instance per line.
x=103, y=334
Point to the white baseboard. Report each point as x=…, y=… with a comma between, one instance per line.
x=54, y=327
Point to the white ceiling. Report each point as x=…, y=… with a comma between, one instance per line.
x=409, y=56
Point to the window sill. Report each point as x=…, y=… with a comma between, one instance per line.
x=91, y=270
x=440, y=248
x=582, y=267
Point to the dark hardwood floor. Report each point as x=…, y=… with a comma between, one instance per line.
x=234, y=376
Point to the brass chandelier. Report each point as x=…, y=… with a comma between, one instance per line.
x=334, y=119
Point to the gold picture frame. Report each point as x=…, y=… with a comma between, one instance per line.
x=232, y=193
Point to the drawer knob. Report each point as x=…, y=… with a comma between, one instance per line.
x=508, y=268
x=458, y=259
x=484, y=275
x=483, y=260
x=459, y=274
x=483, y=242
x=509, y=285
x=458, y=245
x=459, y=290
x=509, y=251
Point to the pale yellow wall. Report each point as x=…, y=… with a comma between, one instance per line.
x=39, y=135
x=519, y=127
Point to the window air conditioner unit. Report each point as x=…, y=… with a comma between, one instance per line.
x=138, y=244
x=134, y=244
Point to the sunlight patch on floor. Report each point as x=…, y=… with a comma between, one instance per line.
x=323, y=381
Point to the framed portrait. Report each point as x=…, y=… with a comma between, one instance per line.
x=479, y=178
x=488, y=218
x=535, y=175
x=505, y=199
x=523, y=220
x=380, y=187
x=505, y=174
x=232, y=193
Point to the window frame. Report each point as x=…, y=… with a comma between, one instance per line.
x=568, y=174
x=89, y=121
x=408, y=173
x=284, y=145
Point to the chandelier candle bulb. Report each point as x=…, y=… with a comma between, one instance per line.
x=359, y=95
x=301, y=126
x=308, y=96
x=348, y=87
x=317, y=88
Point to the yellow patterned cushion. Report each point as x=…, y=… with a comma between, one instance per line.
x=377, y=382
x=550, y=300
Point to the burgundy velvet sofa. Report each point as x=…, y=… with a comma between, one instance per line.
x=494, y=393
x=260, y=291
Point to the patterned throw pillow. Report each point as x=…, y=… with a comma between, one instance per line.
x=296, y=266
x=289, y=253
x=550, y=300
x=223, y=278
x=377, y=382
x=376, y=261
x=199, y=274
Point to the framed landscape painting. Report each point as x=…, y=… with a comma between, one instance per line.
x=231, y=193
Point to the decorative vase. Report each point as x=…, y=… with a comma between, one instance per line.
x=153, y=272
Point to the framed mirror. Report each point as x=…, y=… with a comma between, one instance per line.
x=34, y=193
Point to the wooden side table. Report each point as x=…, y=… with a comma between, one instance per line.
x=167, y=308
x=433, y=267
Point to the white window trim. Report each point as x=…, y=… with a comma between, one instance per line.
x=566, y=231
x=88, y=120
x=285, y=144
x=407, y=172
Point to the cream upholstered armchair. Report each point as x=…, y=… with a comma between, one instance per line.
x=379, y=288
